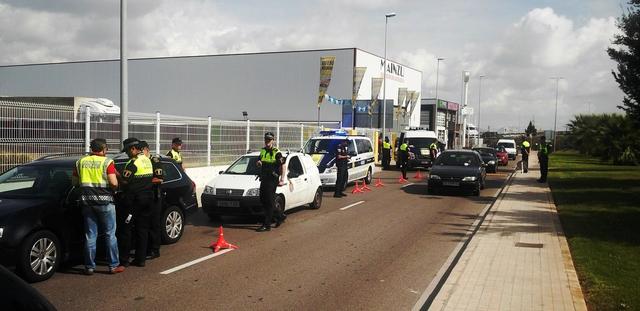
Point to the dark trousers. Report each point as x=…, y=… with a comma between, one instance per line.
x=525, y=164
x=156, y=225
x=386, y=158
x=341, y=179
x=123, y=233
x=142, y=223
x=544, y=168
x=404, y=162
x=268, y=199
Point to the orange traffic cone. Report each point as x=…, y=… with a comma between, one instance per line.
x=364, y=186
x=418, y=175
x=402, y=180
x=221, y=243
x=356, y=189
x=379, y=183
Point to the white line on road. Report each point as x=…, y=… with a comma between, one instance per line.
x=407, y=185
x=193, y=262
x=351, y=205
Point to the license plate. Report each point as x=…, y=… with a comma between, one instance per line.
x=228, y=203
x=451, y=183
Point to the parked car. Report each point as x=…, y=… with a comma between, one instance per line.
x=489, y=157
x=510, y=146
x=457, y=169
x=322, y=150
x=503, y=156
x=419, y=140
x=41, y=224
x=236, y=191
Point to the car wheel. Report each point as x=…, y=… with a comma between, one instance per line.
x=476, y=191
x=369, y=177
x=279, y=204
x=173, y=220
x=317, y=199
x=40, y=256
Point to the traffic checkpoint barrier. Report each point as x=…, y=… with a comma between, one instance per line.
x=379, y=183
x=221, y=242
x=356, y=189
x=418, y=175
x=364, y=186
x=401, y=180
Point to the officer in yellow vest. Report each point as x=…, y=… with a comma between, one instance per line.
x=386, y=153
x=270, y=164
x=176, y=147
x=404, y=157
x=525, y=148
x=137, y=189
x=95, y=175
x=433, y=151
x=543, y=159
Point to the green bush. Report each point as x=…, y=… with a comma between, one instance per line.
x=610, y=137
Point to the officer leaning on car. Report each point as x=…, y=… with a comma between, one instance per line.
x=270, y=164
x=342, y=163
x=96, y=176
x=137, y=202
x=156, y=208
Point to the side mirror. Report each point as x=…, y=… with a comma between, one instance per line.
x=220, y=172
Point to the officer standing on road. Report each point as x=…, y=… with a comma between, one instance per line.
x=404, y=157
x=433, y=151
x=138, y=199
x=386, y=153
x=342, y=163
x=543, y=159
x=270, y=163
x=524, y=150
x=156, y=211
x=174, y=153
x=96, y=176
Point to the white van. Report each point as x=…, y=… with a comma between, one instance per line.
x=322, y=150
x=510, y=146
x=419, y=141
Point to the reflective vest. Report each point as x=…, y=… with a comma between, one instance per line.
x=386, y=145
x=269, y=169
x=544, y=149
x=143, y=165
x=268, y=157
x=92, y=176
x=140, y=182
x=403, y=147
x=525, y=144
x=176, y=156
x=433, y=146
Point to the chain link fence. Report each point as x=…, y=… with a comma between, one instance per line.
x=31, y=130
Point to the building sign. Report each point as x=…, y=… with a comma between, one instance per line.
x=453, y=106
x=326, y=68
x=392, y=68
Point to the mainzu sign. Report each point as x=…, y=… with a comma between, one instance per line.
x=392, y=68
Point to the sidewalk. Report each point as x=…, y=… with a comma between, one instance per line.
x=519, y=259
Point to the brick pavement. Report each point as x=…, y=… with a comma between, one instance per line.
x=518, y=260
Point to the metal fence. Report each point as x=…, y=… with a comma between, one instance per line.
x=31, y=130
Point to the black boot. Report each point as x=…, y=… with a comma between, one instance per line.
x=280, y=220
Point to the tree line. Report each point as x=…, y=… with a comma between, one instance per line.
x=610, y=137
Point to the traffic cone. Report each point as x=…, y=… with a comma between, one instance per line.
x=402, y=180
x=364, y=186
x=356, y=189
x=418, y=175
x=221, y=242
x=379, y=183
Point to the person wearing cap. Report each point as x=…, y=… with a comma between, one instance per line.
x=524, y=151
x=543, y=159
x=136, y=179
x=95, y=174
x=342, y=164
x=386, y=153
x=403, y=154
x=155, y=230
x=271, y=167
x=174, y=153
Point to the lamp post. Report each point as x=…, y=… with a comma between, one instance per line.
x=465, y=95
x=446, y=136
x=384, y=76
x=124, y=95
x=555, y=115
x=479, y=100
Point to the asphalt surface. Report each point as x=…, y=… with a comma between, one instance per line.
x=378, y=255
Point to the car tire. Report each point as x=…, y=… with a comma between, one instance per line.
x=279, y=204
x=42, y=249
x=317, y=199
x=476, y=191
x=369, y=176
x=174, y=222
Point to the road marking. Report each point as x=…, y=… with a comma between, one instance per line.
x=193, y=262
x=351, y=205
x=407, y=185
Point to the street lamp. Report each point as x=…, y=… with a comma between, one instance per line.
x=479, y=99
x=384, y=76
x=555, y=115
x=446, y=136
x=245, y=115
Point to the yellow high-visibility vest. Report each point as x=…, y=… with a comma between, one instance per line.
x=176, y=156
x=386, y=145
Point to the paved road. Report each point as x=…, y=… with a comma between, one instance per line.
x=378, y=255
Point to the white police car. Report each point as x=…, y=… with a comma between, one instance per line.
x=323, y=152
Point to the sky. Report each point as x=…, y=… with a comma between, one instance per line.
x=518, y=45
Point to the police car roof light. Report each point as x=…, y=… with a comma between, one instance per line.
x=334, y=133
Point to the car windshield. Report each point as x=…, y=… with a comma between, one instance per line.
x=246, y=165
x=507, y=145
x=321, y=146
x=35, y=181
x=485, y=151
x=457, y=159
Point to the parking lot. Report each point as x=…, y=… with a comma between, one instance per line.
x=373, y=251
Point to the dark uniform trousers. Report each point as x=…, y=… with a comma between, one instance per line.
x=544, y=167
x=525, y=163
x=141, y=206
x=268, y=187
x=386, y=158
x=341, y=177
x=156, y=225
x=404, y=162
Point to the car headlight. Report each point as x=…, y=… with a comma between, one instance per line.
x=1, y=232
x=434, y=176
x=208, y=190
x=255, y=192
x=492, y=162
x=469, y=178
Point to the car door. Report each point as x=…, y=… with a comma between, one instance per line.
x=355, y=170
x=296, y=182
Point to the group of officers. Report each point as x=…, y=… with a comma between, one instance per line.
x=139, y=206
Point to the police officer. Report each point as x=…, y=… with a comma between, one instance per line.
x=138, y=199
x=176, y=147
x=543, y=159
x=404, y=157
x=155, y=230
x=386, y=153
x=433, y=151
x=342, y=163
x=524, y=150
x=270, y=164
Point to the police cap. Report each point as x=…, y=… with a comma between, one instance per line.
x=176, y=141
x=268, y=136
x=130, y=142
x=143, y=144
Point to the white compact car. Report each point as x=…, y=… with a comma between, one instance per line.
x=236, y=191
x=510, y=146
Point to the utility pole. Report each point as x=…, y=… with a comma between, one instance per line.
x=555, y=115
x=124, y=101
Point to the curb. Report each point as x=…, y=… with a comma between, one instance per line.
x=429, y=295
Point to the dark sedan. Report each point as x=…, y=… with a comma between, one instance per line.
x=489, y=157
x=457, y=169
